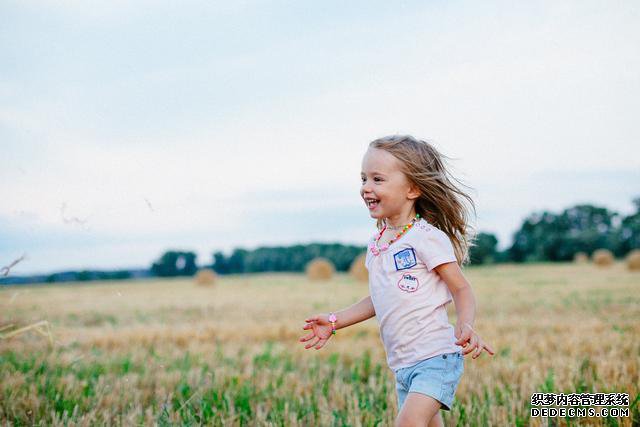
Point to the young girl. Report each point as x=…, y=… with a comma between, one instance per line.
x=414, y=272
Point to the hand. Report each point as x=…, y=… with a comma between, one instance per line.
x=471, y=341
x=320, y=329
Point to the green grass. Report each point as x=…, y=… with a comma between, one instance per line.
x=203, y=360
x=195, y=403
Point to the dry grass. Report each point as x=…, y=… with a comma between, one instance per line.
x=42, y=327
x=603, y=257
x=633, y=260
x=581, y=258
x=158, y=351
x=205, y=277
x=320, y=269
x=358, y=269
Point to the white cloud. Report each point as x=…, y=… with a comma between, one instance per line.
x=281, y=123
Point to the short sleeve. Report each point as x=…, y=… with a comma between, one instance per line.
x=367, y=259
x=434, y=248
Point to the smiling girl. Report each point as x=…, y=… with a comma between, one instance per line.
x=414, y=264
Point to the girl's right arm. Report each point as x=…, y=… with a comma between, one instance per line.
x=321, y=327
x=356, y=313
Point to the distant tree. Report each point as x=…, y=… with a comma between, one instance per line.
x=529, y=240
x=290, y=258
x=121, y=275
x=628, y=234
x=83, y=276
x=484, y=249
x=557, y=237
x=220, y=263
x=502, y=256
x=175, y=263
x=585, y=228
x=237, y=261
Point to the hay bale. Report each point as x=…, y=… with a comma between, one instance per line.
x=358, y=270
x=320, y=269
x=206, y=277
x=581, y=258
x=633, y=260
x=602, y=257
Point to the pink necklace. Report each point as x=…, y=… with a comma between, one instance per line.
x=373, y=245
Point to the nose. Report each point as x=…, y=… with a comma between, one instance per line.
x=364, y=192
x=365, y=189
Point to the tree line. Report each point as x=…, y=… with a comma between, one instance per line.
x=278, y=259
x=542, y=236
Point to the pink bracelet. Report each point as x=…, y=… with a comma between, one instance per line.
x=332, y=319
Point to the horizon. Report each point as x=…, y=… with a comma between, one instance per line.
x=209, y=262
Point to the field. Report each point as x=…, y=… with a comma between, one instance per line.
x=170, y=352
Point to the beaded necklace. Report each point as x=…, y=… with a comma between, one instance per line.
x=373, y=245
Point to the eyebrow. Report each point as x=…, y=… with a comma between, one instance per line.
x=374, y=173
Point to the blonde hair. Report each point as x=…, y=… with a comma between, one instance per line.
x=441, y=202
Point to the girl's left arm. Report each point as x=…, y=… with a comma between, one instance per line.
x=465, y=303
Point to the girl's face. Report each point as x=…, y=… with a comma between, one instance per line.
x=385, y=189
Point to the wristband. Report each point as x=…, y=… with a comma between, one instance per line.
x=332, y=319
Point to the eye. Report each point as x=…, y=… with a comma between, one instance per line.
x=376, y=179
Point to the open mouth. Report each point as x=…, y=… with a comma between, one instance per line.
x=372, y=203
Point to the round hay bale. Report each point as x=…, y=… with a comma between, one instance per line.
x=581, y=258
x=602, y=257
x=358, y=269
x=633, y=260
x=320, y=269
x=206, y=277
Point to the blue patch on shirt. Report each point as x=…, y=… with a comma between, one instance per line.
x=404, y=259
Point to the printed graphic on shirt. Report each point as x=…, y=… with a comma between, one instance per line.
x=404, y=259
x=408, y=283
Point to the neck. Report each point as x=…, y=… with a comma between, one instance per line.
x=398, y=221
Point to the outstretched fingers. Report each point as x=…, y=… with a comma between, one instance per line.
x=489, y=349
x=318, y=330
x=308, y=337
x=321, y=343
x=312, y=344
x=482, y=346
x=478, y=350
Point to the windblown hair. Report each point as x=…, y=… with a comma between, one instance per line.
x=441, y=202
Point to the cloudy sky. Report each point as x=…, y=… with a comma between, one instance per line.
x=129, y=128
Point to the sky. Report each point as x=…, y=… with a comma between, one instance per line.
x=131, y=128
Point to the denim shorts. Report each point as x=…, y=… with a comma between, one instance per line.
x=437, y=376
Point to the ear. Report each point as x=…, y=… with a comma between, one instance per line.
x=414, y=192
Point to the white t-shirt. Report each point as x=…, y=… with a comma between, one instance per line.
x=410, y=298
